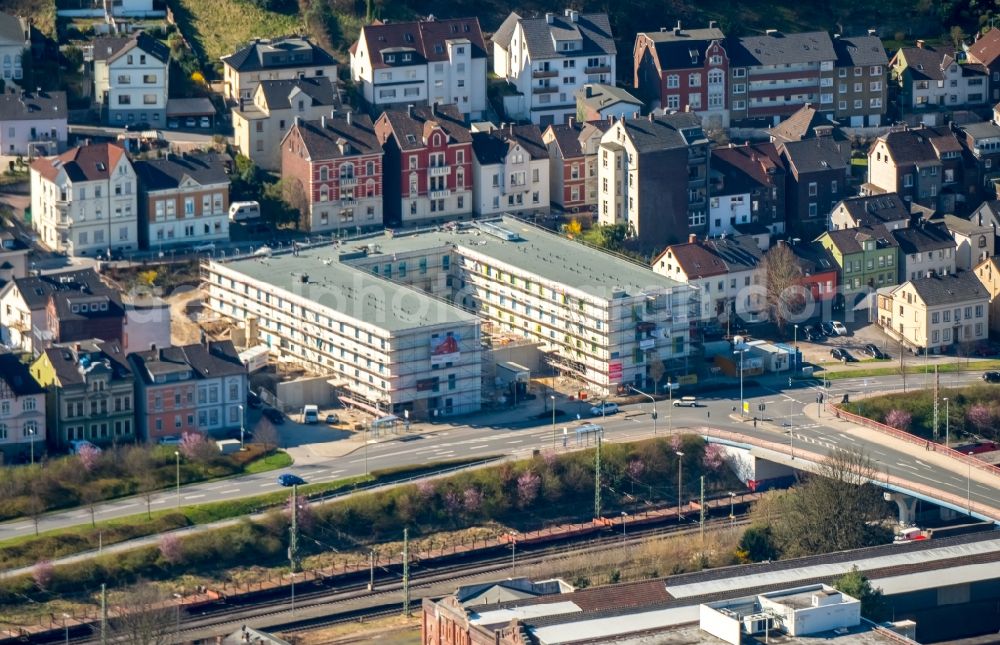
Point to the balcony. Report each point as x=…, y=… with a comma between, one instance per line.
x=544, y=73
x=544, y=90
x=439, y=194
x=348, y=201
x=348, y=181
x=597, y=69
x=439, y=171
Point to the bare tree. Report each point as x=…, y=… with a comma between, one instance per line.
x=781, y=275
x=90, y=495
x=143, y=615
x=266, y=434
x=147, y=490
x=35, y=508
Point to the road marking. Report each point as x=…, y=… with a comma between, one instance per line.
x=265, y=485
x=125, y=505
x=847, y=437
x=922, y=463
x=902, y=465
x=194, y=496
x=336, y=472
x=516, y=441
x=158, y=501
x=230, y=491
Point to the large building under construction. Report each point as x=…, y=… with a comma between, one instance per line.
x=400, y=320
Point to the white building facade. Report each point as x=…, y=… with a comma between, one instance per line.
x=131, y=80
x=510, y=171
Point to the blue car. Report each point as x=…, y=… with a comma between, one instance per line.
x=288, y=479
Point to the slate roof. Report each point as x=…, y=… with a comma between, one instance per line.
x=409, y=126
x=986, y=49
x=872, y=210
x=114, y=47
x=911, y=146
x=35, y=290
x=962, y=225
x=781, y=49
x=168, y=173
x=682, y=48
x=249, y=57
x=569, y=137
x=593, y=29
x=708, y=258
x=83, y=163
x=814, y=258
x=492, y=147
x=803, y=124
x=951, y=289
x=32, y=106
x=848, y=240
x=926, y=63
x=17, y=376
x=321, y=137
x=928, y=237
x=815, y=155
x=746, y=168
x=602, y=96
x=860, y=51
x=981, y=130
x=320, y=89
x=653, y=133
x=63, y=301
x=425, y=39
x=66, y=360
x=12, y=29
x=218, y=358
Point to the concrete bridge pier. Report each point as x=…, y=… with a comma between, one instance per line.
x=907, y=507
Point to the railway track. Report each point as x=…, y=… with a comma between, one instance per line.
x=317, y=605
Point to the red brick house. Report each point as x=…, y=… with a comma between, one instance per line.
x=573, y=163
x=428, y=165
x=820, y=270
x=679, y=68
x=338, y=160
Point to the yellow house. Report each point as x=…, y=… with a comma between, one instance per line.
x=988, y=272
x=937, y=312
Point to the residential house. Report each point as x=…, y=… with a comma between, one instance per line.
x=725, y=271
x=987, y=215
x=183, y=200
x=259, y=124
x=90, y=393
x=131, y=79
x=923, y=165
x=15, y=38
x=395, y=64
x=885, y=209
x=868, y=259
x=83, y=202
x=147, y=321
x=748, y=188
x=975, y=238
x=428, y=165
x=932, y=79
x=862, y=91
x=808, y=123
x=279, y=59
x=31, y=304
x=937, y=312
x=573, y=150
x=677, y=68
x=193, y=388
x=820, y=271
x=510, y=171
x=22, y=411
x=988, y=273
x=338, y=159
x=548, y=58
x=596, y=102
x=653, y=177
x=817, y=174
x=981, y=168
x=985, y=51
x=32, y=124
x=925, y=248
x=13, y=259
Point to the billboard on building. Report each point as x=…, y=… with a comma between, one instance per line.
x=444, y=349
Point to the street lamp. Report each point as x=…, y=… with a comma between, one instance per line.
x=242, y=428
x=968, y=491
x=66, y=627
x=32, y=432
x=795, y=344
x=624, y=517
x=670, y=407
x=947, y=423
x=513, y=547
x=653, y=400
x=741, y=352
x=732, y=501
x=680, y=468
x=177, y=459
x=553, y=397
x=177, y=618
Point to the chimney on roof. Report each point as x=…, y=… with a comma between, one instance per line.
x=920, y=44
x=773, y=32
x=873, y=32
x=713, y=24
x=588, y=90
x=677, y=28
x=298, y=120
x=650, y=115
x=570, y=121
x=687, y=107
x=663, y=30
x=574, y=15
x=348, y=117
x=322, y=121
x=692, y=238
x=549, y=17
x=409, y=110
x=434, y=108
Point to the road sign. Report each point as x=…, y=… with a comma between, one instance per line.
x=746, y=406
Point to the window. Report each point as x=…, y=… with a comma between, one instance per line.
x=673, y=81
x=812, y=189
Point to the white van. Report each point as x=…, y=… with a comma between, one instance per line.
x=242, y=211
x=310, y=414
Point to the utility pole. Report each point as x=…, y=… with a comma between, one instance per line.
x=371, y=570
x=937, y=387
x=702, y=519
x=293, y=534
x=406, y=573
x=104, y=614
x=597, y=478
x=902, y=367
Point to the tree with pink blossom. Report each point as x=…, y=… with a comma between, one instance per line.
x=305, y=516
x=980, y=416
x=528, y=484
x=472, y=500
x=195, y=446
x=452, y=503
x=42, y=573
x=713, y=458
x=426, y=489
x=675, y=442
x=898, y=419
x=89, y=456
x=171, y=549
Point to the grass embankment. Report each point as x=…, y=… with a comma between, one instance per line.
x=974, y=409
x=220, y=27
x=912, y=368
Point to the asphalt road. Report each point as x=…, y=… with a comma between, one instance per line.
x=784, y=406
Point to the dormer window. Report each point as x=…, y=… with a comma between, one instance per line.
x=407, y=58
x=390, y=58
x=75, y=308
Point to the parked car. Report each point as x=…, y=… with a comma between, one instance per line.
x=827, y=328
x=274, y=416
x=138, y=126
x=838, y=328
x=207, y=247
x=288, y=479
x=173, y=124
x=842, y=355
x=234, y=433
x=604, y=408
x=332, y=419
x=686, y=402
x=310, y=414
x=873, y=351
x=170, y=440
x=205, y=122
x=190, y=122
x=991, y=377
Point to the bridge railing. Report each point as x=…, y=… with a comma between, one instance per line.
x=902, y=435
